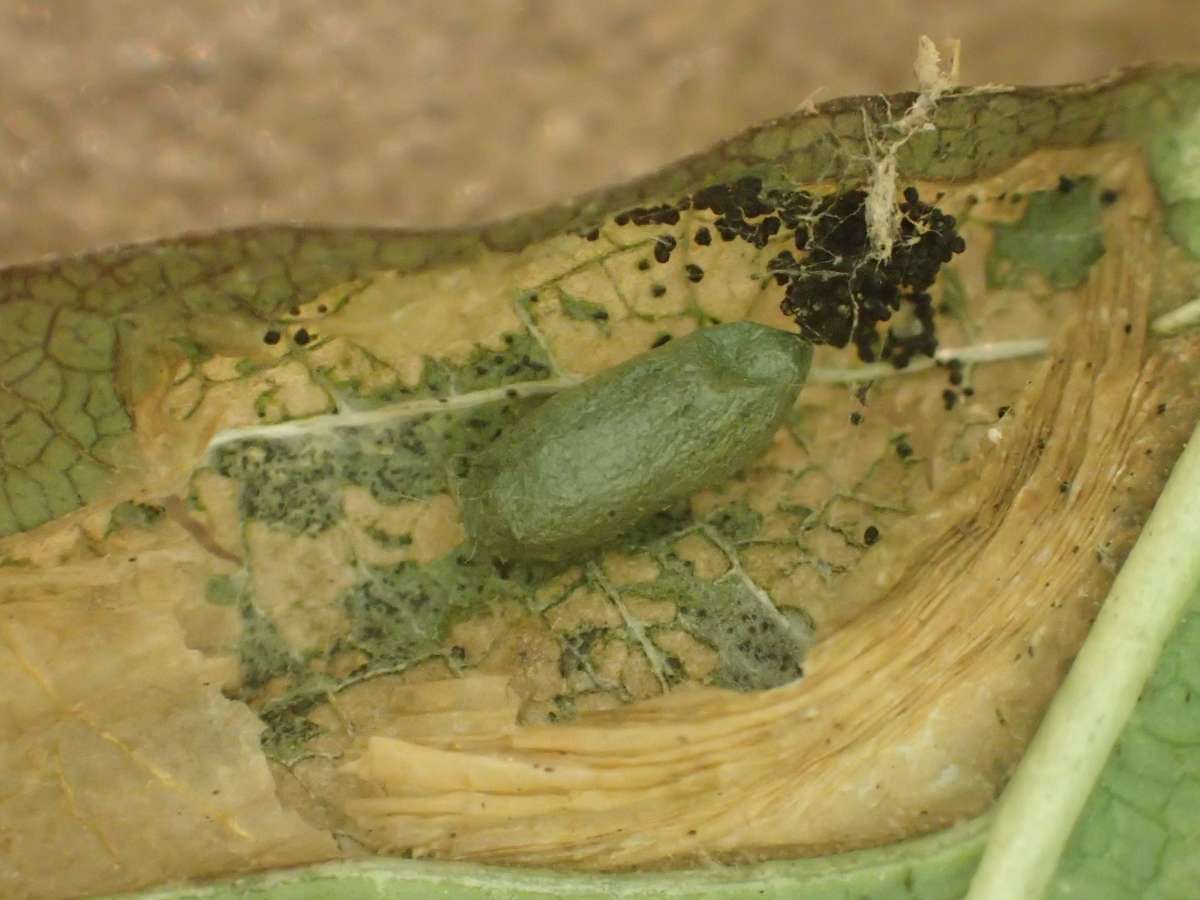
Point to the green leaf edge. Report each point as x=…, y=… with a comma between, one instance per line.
x=898, y=871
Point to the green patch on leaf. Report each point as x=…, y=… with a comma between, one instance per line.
x=193, y=350
x=134, y=515
x=261, y=650
x=759, y=646
x=522, y=358
x=584, y=310
x=221, y=590
x=387, y=539
x=247, y=367
x=1058, y=237
x=737, y=522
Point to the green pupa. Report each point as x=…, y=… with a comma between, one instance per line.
x=598, y=458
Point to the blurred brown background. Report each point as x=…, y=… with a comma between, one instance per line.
x=123, y=120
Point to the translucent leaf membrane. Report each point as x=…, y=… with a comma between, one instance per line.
x=234, y=566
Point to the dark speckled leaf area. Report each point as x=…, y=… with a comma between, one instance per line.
x=256, y=613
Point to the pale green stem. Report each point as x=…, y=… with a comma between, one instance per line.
x=386, y=415
x=989, y=351
x=1038, y=810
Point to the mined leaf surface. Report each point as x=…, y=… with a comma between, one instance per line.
x=252, y=442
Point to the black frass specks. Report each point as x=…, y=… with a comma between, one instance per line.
x=782, y=266
x=737, y=204
x=956, y=371
x=664, y=244
x=664, y=214
x=834, y=289
x=839, y=294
